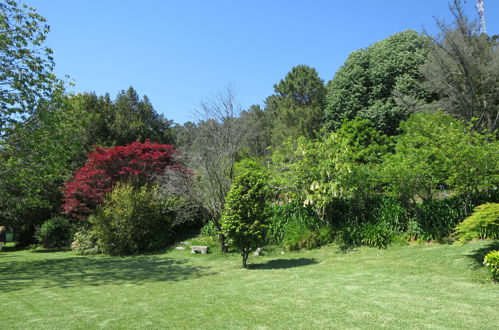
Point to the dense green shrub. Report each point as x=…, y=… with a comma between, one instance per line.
x=244, y=220
x=56, y=232
x=372, y=221
x=373, y=234
x=85, y=242
x=482, y=223
x=435, y=220
x=491, y=260
x=131, y=220
x=300, y=235
x=281, y=215
x=438, y=218
x=376, y=234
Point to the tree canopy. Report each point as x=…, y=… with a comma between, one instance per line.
x=365, y=85
x=26, y=64
x=296, y=108
x=134, y=163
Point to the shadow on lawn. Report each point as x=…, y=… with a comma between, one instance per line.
x=284, y=263
x=478, y=254
x=95, y=271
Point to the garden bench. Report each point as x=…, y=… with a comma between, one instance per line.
x=201, y=249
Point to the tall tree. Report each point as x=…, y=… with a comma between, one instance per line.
x=26, y=64
x=365, y=85
x=126, y=119
x=463, y=69
x=136, y=120
x=296, y=108
x=34, y=163
x=219, y=137
x=99, y=115
x=258, y=138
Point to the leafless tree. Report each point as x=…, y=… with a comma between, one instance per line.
x=219, y=137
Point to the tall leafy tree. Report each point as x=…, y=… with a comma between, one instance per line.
x=365, y=85
x=296, y=108
x=136, y=120
x=26, y=64
x=463, y=70
x=34, y=163
x=126, y=119
x=99, y=116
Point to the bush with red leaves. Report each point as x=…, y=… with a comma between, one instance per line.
x=134, y=163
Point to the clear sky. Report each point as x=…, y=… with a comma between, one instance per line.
x=180, y=52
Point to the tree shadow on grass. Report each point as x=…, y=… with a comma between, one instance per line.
x=478, y=254
x=95, y=271
x=284, y=263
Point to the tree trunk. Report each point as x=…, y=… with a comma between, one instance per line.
x=245, y=258
x=224, y=247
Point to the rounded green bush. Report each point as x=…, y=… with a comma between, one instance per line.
x=85, y=242
x=56, y=232
x=491, y=260
x=132, y=220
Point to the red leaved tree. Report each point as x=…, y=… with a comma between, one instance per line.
x=136, y=163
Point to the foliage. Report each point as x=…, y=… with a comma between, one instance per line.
x=175, y=187
x=209, y=229
x=257, y=142
x=135, y=162
x=26, y=64
x=184, y=135
x=462, y=70
x=491, y=260
x=341, y=164
x=85, y=242
x=302, y=235
x=365, y=85
x=436, y=150
x=365, y=144
x=56, y=232
x=281, y=215
x=296, y=108
x=378, y=234
x=125, y=119
x=482, y=223
x=244, y=221
x=35, y=160
x=131, y=221
x=136, y=120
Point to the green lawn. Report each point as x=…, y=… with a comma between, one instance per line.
x=434, y=286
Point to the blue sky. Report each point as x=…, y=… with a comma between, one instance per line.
x=180, y=52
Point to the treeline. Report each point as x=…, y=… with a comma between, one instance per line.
x=401, y=144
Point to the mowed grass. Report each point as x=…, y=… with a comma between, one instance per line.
x=413, y=287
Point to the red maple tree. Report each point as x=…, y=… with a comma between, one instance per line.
x=135, y=163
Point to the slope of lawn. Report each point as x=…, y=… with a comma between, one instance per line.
x=433, y=286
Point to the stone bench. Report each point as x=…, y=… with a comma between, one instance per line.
x=200, y=249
